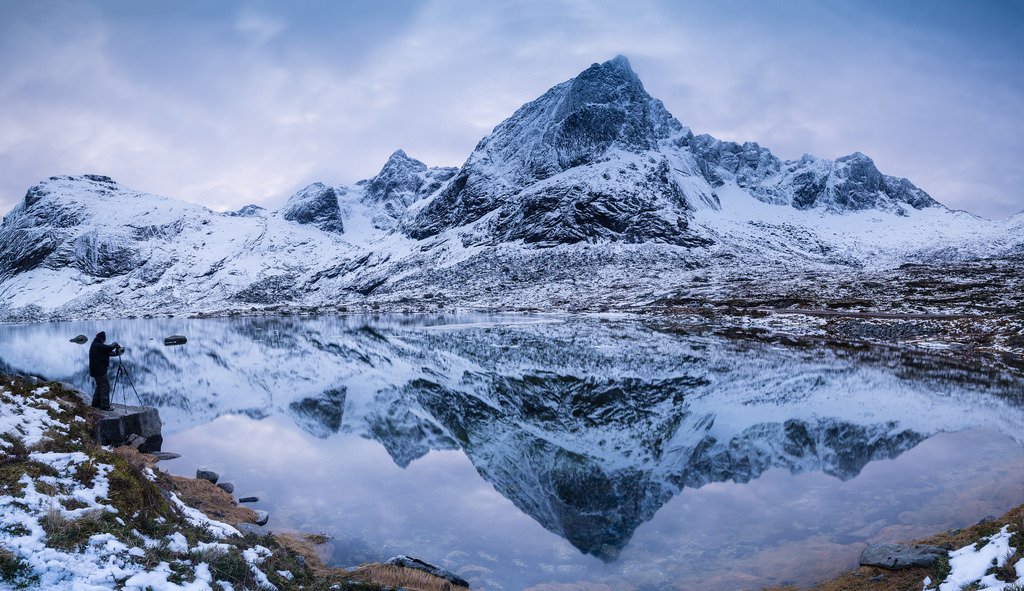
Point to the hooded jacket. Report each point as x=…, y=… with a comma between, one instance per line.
x=99, y=356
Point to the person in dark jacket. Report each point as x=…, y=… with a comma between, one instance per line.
x=99, y=362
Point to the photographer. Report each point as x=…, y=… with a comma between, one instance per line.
x=99, y=361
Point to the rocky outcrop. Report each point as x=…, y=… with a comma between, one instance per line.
x=315, y=204
x=124, y=424
x=400, y=183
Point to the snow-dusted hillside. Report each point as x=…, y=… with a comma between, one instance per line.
x=591, y=196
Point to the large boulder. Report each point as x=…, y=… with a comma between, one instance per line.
x=900, y=556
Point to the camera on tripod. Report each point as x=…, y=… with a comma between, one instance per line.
x=117, y=351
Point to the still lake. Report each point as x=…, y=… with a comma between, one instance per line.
x=554, y=452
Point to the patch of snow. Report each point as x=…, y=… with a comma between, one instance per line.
x=969, y=564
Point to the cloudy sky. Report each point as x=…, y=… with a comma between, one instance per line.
x=226, y=104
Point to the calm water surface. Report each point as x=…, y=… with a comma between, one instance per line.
x=530, y=452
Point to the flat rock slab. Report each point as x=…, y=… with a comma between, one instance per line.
x=115, y=427
x=900, y=556
x=166, y=455
x=416, y=563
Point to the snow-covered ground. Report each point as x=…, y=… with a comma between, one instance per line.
x=973, y=564
x=60, y=494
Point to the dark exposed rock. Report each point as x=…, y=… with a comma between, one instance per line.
x=227, y=487
x=248, y=211
x=269, y=290
x=316, y=204
x=899, y=556
x=417, y=564
x=251, y=528
x=249, y=500
x=166, y=455
x=207, y=474
x=124, y=423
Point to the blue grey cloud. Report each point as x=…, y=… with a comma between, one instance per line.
x=226, y=104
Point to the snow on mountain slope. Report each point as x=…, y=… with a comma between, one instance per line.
x=593, y=195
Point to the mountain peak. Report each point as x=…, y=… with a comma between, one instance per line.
x=617, y=68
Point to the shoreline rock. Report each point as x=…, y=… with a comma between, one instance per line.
x=900, y=556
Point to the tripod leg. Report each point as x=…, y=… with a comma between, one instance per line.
x=129, y=378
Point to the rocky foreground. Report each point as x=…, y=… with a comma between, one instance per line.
x=75, y=515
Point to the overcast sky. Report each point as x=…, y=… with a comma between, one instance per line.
x=227, y=104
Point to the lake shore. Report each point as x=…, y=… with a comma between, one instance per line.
x=72, y=511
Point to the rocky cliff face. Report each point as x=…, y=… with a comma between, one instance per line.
x=402, y=182
x=316, y=204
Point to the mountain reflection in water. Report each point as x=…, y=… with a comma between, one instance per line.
x=589, y=426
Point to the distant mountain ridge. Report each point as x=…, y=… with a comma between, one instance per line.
x=557, y=207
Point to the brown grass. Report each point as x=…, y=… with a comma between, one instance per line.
x=308, y=547
x=135, y=458
x=214, y=502
x=404, y=578
x=910, y=579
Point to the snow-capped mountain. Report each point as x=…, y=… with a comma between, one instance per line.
x=591, y=196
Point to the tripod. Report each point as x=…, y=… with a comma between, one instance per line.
x=122, y=370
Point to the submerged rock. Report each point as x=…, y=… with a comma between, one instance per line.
x=900, y=556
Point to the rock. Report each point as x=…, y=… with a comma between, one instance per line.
x=136, y=441
x=80, y=339
x=877, y=578
x=416, y=563
x=207, y=474
x=900, y=556
x=226, y=487
x=165, y=455
x=118, y=426
x=262, y=517
x=251, y=528
x=249, y=500
x=175, y=339
x=316, y=204
x=987, y=519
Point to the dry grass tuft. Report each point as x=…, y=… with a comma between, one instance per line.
x=211, y=500
x=306, y=547
x=405, y=578
x=135, y=458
